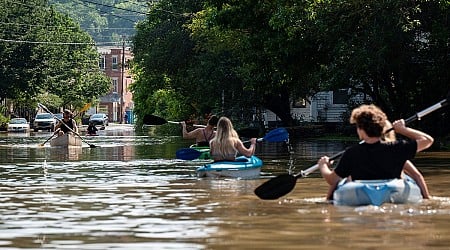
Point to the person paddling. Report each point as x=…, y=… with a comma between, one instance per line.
x=67, y=125
x=226, y=145
x=374, y=159
x=204, y=135
x=92, y=129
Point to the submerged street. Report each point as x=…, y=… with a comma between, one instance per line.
x=130, y=193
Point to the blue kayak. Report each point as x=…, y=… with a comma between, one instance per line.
x=377, y=192
x=243, y=167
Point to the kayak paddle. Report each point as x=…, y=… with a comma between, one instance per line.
x=156, y=120
x=60, y=120
x=285, y=183
x=276, y=135
x=42, y=144
x=188, y=154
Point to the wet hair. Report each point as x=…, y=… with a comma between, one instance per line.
x=213, y=120
x=369, y=118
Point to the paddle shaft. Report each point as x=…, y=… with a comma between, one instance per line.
x=71, y=130
x=42, y=144
x=416, y=116
x=275, y=135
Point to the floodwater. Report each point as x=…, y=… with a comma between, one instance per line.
x=128, y=192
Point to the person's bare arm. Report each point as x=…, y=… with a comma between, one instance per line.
x=74, y=125
x=414, y=173
x=423, y=140
x=189, y=135
x=247, y=152
x=329, y=175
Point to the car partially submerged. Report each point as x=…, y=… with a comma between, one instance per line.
x=18, y=125
x=44, y=121
x=99, y=119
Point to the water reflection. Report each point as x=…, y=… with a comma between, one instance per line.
x=130, y=193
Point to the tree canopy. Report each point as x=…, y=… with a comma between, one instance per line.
x=43, y=52
x=239, y=56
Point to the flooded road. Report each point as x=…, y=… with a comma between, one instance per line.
x=128, y=192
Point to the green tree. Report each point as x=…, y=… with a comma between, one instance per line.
x=240, y=54
x=47, y=53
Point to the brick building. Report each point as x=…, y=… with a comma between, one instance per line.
x=118, y=103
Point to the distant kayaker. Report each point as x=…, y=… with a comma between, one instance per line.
x=91, y=129
x=67, y=125
x=374, y=159
x=204, y=135
x=226, y=145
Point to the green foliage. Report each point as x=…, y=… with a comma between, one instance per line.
x=47, y=53
x=105, y=21
x=238, y=55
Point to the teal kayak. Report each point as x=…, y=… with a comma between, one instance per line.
x=243, y=167
x=377, y=192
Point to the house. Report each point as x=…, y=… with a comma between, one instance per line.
x=118, y=103
x=323, y=107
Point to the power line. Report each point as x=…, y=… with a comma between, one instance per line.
x=59, y=43
x=110, y=6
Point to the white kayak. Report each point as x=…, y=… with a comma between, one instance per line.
x=243, y=167
x=377, y=192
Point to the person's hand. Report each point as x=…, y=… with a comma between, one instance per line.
x=399, y=125
x=253, y=141
x=183, y=123
x=324, y=161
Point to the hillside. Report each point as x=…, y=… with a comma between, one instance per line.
x=107, y=21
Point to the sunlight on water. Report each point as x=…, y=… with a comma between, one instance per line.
x=130, y=193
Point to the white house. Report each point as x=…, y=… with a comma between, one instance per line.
x=326, y=106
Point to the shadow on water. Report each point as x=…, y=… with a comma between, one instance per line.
x=130, y=193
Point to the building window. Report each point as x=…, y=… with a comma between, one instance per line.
x=340, y=96
x=115, y=83
x=299, y=103
x=102, y=62
x=115, y=64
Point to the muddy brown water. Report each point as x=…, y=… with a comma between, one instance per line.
x=130, y=193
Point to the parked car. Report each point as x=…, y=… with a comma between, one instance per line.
x=99, y=119
x=18, y=125
x=44, y=121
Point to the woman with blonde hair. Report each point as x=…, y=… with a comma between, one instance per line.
x=226, y=145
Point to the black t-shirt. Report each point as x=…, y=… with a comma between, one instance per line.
x=66, y=125
x=381, y=160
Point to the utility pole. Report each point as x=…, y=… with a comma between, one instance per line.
x=122, y=101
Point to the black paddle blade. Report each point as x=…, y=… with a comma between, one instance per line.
x=276, y=187
x=153, y=120
x=248, y=132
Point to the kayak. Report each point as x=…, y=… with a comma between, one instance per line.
x=66, y=140
x=243, y=167
x=377, y=192
x=204, y=152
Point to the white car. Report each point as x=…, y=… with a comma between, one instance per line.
x=44, y=121
x=18, y=125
